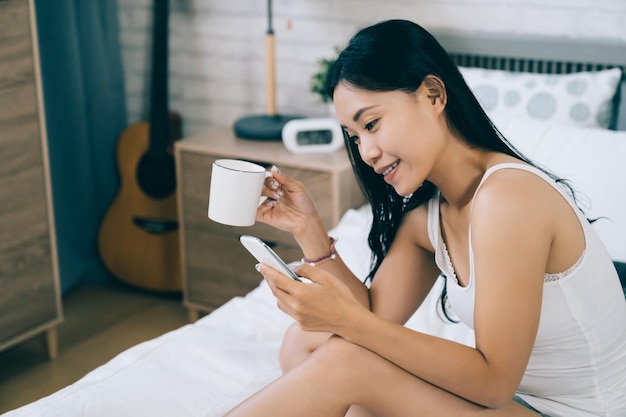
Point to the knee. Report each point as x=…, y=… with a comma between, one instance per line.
x=339, y=350
x=291, y=349
x=297, y=345
x=347, y=367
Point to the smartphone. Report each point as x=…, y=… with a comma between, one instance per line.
x=264, y=254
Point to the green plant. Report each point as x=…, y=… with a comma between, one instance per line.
x=318, y=80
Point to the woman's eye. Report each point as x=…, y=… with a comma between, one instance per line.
x=351, y=138
x=369, y=126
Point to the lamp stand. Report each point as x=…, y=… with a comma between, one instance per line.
x=269, y=126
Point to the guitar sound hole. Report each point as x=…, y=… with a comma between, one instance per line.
x=156, y=176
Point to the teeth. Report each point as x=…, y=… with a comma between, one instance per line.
x=391, y=168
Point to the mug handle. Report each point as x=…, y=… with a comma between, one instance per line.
x=263, y=198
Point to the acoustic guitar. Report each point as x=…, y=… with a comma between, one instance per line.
x=139, y=237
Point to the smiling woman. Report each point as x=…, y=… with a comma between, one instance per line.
x=523, y=266
x=395, y=112
x=228, y=355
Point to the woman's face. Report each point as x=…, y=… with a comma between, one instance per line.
x=400, y=135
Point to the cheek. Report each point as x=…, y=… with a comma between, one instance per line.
x=422, y=137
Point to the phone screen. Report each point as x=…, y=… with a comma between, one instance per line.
x=264, y=254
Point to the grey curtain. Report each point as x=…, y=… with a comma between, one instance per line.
x=85, y=113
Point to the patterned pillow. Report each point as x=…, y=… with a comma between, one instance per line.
x=579, y=99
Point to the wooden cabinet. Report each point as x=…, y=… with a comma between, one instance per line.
x=29, y=283
x=215, y=265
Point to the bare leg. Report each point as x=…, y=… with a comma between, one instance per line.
x=340, y=374
x=298, y=345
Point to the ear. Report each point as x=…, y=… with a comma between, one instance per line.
x=436, y=90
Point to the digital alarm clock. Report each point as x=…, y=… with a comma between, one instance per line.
x=322, y=134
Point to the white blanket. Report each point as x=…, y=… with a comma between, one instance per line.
x=206, y=368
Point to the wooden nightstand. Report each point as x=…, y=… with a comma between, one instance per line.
x=215, y=265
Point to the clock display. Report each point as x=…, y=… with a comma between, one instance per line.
x=314, y=137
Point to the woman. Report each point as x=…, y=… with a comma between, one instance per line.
x=523, y=266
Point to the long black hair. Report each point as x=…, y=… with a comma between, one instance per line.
x=398, y=55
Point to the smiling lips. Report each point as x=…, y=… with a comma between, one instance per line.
x=390, y=168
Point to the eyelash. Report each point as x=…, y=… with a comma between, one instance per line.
x=368, y=126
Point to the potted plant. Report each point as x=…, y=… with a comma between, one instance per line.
x=318, y=80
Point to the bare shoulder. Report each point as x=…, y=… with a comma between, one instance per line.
x=515, y=202
x=515, y=208
x=517, y=194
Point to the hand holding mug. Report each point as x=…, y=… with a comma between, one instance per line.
x=289, y=206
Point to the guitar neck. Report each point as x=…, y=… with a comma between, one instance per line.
x=159, y=126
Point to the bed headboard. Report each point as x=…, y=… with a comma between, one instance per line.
x=541, y=55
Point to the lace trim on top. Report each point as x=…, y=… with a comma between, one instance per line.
x=546, y=277
x=560, y=275
x=446, y=256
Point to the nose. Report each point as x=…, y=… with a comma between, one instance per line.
x=369, y=150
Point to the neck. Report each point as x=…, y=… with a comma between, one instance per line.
x=462, y=169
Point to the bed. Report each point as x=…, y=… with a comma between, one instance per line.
x=205, y=368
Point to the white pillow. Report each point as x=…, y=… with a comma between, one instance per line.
x=580, y=99
x=593, y=160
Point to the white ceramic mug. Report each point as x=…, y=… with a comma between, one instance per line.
x=235, y=192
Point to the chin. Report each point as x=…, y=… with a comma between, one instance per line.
x=406, y=191
x=402, y=192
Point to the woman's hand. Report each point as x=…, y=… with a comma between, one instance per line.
x=324, y=305
x=289, y=207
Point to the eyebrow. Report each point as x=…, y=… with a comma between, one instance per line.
x=358, y=114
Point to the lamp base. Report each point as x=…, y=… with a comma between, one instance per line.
x=262, y=127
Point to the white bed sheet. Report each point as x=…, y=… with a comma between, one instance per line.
x=206, y=368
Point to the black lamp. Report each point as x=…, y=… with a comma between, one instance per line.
x=269, y=126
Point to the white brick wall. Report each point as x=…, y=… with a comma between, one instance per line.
x=217, y=47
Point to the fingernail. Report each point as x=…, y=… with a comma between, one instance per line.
x=275, y=169
x=273, y=185
x=257, y=267
x=278, y=194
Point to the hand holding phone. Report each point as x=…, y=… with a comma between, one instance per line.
x=264, y=254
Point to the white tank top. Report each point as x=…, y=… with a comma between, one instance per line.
x=578, y=363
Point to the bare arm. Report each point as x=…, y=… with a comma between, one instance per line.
x=407, y=273
x=405, y=276
x=511, y=236
x=289, y=207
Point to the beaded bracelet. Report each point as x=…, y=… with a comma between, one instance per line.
x=332, y=254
